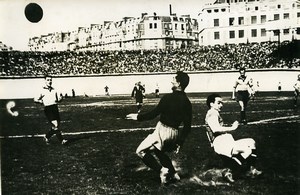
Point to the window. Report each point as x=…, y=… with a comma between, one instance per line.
x=263, y=19
x=155, y=25
x=276, y=16
x=241, y=20
x=216, y=22
x=231, y=34
x=276, y=32
x=263, y=32
x=256, y=8
x=231, y=21
x=175, y=27
x=182, y=26
x=253, y=33
x=286, y=31
x=298, y=14
x=241, y=34
x=150, y=25
x=217, y=35
x=286, y=16
x=253, y=20
x=216, y=10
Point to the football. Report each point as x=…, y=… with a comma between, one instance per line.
x=9, y=106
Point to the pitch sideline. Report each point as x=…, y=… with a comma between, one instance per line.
x=264, y=121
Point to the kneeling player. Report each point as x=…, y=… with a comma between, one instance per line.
x=242, y=151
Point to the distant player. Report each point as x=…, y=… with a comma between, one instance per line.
x=242, y=96
x=297, y=91
x=157, y=91
x=106, y=89
x=49, y=98
x=242, y=150
x=279, y=87
x=174, y=108
x=138, y=93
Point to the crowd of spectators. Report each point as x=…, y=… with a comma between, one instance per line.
x=218, y=57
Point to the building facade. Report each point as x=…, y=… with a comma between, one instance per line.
x=244, y=21
x=145, y=32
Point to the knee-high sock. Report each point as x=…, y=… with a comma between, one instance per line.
x=151, y=162
x=59, y=135
x=164, y=160
x=50, y=133
x=251, y=160
x=243, y=115
x=139, y=106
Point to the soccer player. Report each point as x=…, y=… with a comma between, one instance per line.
x=297, y=91
x=157, y=91
x=242, y=151
x=138, y=93
x=174, y=108
x=106, y=88
x=241, y=87
x=279, y=87
x=49, y=98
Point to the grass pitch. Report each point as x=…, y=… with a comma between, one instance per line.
x=100, y=157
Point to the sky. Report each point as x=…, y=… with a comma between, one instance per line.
x=68, y=15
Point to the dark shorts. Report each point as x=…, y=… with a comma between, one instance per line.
x=243, y=96
x=139, y=98
x=52, y=113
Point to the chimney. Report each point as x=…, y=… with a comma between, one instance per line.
x=170, y=6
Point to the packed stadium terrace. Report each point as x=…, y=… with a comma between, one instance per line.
x=219, y=57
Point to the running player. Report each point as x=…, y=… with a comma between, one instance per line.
x=241, y=87
x=49, y=98
x=242, y=150
x=106, y=88
x=174, y=108
x=138, y=93
x=297, y=91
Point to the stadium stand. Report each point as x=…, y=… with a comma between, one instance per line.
x=218, y=57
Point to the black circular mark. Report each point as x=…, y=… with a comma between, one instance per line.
x=33, y=12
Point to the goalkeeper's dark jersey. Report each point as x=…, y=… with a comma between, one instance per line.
x=174, y=109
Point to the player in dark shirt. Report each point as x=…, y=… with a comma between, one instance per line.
x=174, y=109
x=138, y=93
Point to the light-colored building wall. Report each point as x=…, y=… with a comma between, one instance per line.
x=145, y=32
x=249, y=21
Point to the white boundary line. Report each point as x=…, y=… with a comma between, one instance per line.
x=142, y=129
x=273, y=119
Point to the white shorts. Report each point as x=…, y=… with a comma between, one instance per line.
x=163, y=138
x=223, y=144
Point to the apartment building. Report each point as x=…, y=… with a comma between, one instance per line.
x=243, y=21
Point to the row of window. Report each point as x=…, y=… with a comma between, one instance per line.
x=167, y=26
x=256, y=8
x=263, y=19
x=254, y=33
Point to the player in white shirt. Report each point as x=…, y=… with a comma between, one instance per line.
x=49, y=98
x=297, y=91
x=241, y=150
x=242, y=88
